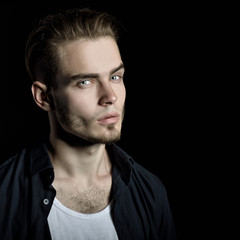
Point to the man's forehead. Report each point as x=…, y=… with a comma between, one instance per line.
x=90, y=56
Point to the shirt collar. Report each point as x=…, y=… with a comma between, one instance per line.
x=122, y=161
x=40, y=160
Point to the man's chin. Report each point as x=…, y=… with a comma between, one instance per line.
x=106, y=139
x=112, y=135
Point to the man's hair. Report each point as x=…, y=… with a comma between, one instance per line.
x=41, y=59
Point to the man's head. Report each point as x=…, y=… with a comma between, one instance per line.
x=41, y=58
x=77, y=72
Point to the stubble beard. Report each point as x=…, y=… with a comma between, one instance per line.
x=72, y=125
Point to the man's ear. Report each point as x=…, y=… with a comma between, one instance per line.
x=40, y=96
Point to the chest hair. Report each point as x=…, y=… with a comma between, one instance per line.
x=92, y=200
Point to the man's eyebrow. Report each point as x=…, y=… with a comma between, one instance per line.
x=121, y=66
x=94, y=75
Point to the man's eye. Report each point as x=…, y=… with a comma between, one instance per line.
x=116, y=78
x=84, y=83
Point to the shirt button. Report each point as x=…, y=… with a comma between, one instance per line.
x=45, y=201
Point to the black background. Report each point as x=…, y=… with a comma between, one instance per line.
x=169, y=126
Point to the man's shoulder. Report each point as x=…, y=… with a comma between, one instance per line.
x=21, y=158
x=138, y=172
x=13, y=170
x=16, y=158
x=145, y=176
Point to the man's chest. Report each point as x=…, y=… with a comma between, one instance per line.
x=88, y=201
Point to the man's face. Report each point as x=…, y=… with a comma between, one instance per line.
x=90, y=94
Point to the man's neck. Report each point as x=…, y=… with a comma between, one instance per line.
x=85, y=162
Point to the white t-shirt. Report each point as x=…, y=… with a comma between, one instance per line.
x=65, y=223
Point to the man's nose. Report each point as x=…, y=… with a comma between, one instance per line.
x=108, y=95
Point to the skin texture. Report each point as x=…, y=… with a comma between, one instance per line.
x=89, y=88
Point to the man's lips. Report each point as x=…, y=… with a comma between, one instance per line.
x=109, y=118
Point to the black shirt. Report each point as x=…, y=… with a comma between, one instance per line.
x=140, y=208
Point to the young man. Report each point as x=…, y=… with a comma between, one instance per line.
x=79, y=184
